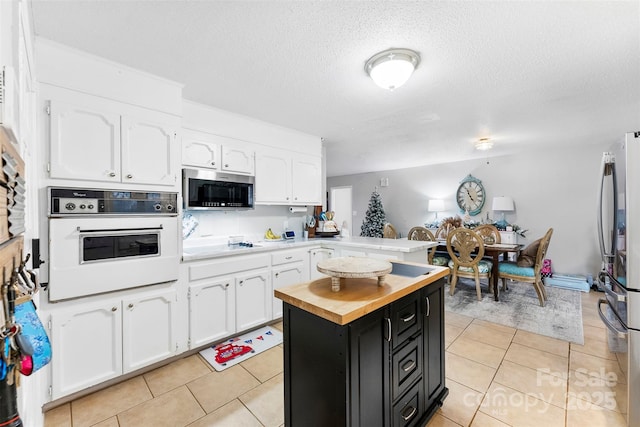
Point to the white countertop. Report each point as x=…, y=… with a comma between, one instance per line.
x=203, y=248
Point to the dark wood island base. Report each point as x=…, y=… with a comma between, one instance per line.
x=384, y=368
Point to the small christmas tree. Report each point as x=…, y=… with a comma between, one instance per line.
x=374, y=219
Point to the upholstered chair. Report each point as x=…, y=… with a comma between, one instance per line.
x=527, y=267
x=422, y=233
x=489, y=233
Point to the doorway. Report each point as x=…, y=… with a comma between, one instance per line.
x=340, y=202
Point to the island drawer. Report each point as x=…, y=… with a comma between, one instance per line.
x=406, y=413
x=406, y=366
x=405, y=319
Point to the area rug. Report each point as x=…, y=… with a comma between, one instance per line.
x=561, y=317
x=238, y=349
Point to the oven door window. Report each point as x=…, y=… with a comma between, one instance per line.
x=106, y=247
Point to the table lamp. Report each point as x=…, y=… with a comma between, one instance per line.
x=502, y=204
x=436, y=206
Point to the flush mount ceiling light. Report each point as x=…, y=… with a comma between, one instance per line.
x=392, y=68
x=483, y=144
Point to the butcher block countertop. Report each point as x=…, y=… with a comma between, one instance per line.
x=357, y=296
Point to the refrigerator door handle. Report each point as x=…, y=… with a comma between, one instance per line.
x=620, y=333
x=608, y=168
x=615, y=295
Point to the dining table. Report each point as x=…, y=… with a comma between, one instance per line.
x=494, y=250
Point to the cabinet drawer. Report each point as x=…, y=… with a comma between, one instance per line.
x=406, y=366
x=287, y=256
x=408, y=410
x=202, y=270
x=405, y=318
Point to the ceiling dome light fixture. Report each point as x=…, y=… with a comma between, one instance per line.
x=392, y=68
x=483, y=144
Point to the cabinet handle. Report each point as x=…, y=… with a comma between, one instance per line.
x=213, y=163
x=411, y=413
x=409, y=366
x=112, y=174
x=409, y=318
x=287, y=198
x=130, y=305
x=241, y=282
x=226, y=165
x=277, y=274
x=114, y=308
x=388, y=329
x=428, y=306
x=288, y=257
x=129, y=176
x=226, y=286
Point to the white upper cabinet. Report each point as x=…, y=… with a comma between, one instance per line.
x=200, y=149
x=238, y=158
x=149, y=149
x=273, y=177
x=307, y=179
x=85, y=141
x=100, y=140
x=205, y=150
x=284, y=177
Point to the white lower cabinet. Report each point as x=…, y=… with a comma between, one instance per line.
x=288, y=268
x=315, y=256
x=211, y=311
x=149, y=329
x=253, y=299
x=97, y=341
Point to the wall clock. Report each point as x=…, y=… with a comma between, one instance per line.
x=470, y=195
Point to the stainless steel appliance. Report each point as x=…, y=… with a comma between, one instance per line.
x=216, y=190
x=107, y=240
x=619, y=236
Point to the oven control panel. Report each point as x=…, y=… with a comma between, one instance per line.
x=78, y=201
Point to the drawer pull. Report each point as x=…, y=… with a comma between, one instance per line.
x=409, y=318
x=409, y=366
x=388, y=329
x=412, y=411
x=428, y=306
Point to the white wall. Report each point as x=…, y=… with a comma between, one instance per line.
x=551, y=189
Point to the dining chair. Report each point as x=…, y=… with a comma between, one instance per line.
x=423, y=234
x=524, y=272
x=466, y=249
x=389, y=231
x=488, y=232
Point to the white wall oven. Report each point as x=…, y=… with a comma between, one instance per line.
x=108, y=240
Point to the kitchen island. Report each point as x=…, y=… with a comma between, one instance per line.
x=367, y=355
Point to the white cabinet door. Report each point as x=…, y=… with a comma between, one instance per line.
x=273, y=178
x=253, y=299
x=306, y=179
x=238, y=159
x=149, y=150
x=149, y=329
x=315, y=256
x=285, y=275
x=211, y=311
x=85, y=141
x=199, y=149
x=87, y=346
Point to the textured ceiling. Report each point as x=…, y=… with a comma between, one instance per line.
x=527, y=74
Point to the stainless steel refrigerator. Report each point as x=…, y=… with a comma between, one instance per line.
x=619, y=236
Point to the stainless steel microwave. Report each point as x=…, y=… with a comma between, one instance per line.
x=213, y=190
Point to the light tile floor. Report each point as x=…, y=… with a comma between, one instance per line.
x=497, y=376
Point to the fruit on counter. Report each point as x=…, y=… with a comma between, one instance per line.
x=271, y=235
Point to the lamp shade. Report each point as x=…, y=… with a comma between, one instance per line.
x=392, y=68
x=436, y=205
x=503, y=203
